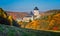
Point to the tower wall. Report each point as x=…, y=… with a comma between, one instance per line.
x=36, y=12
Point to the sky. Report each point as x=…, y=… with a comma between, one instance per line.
x=28, y=5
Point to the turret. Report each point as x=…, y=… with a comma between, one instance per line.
x=36, y=11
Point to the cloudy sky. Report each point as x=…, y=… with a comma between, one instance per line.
x=28, y=5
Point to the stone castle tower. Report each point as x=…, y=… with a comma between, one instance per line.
x=36, y=11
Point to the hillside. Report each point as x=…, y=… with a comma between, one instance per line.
x=46, y=22
x=6, y=30
x=16, y=15
x=53, y=11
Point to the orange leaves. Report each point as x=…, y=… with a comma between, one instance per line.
x=49, y=17
x=37, y=24
x=55, y=22
x=33, y=25
x=55, y=28
x=51, y=22
x=57, y=18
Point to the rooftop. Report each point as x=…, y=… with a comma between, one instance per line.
x=36, y=8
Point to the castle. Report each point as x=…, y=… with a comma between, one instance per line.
x=33, y=15
x=24, y=16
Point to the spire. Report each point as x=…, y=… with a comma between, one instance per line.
x=31, y=13
x=36, y=8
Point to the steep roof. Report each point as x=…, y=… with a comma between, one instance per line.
x=36, y=8
x=31, y=13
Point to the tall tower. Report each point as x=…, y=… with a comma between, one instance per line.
x=36, y=11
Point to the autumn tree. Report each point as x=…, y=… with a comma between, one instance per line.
x=3, y=17
x=7, y=20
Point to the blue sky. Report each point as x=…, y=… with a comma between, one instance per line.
x=28, y=5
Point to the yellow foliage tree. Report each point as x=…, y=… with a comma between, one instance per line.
x=10, y=19
x=55, y=21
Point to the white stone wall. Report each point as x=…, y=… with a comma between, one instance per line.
x=18, y=19
x=36, y=12
x=26, y=19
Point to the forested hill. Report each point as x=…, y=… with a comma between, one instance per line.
x=47, y=21
x=53, y=11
